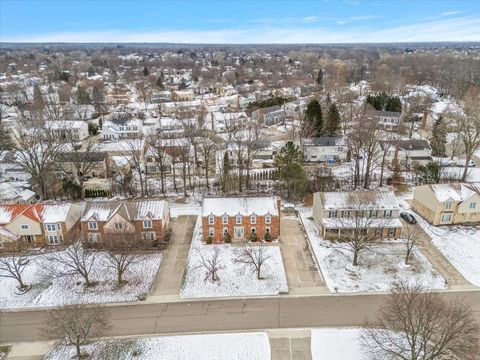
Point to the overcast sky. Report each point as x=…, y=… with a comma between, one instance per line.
x=273, y=21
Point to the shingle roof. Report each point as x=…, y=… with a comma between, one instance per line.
x=240, y=205
x=131, y=210
x=359, y=200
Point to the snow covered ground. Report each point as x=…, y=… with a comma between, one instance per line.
x=337, y=344
x=459, y=244
x=233, y=279
x=49, y=291
x=232, y=346
x=378, y=270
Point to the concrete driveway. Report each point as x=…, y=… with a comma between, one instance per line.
x=169, y=277
x=303, y=276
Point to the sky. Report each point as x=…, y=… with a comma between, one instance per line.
x=240, y=22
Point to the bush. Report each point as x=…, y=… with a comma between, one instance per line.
x=253, y=237
x=227, y=238
x=267, y=237
x=209, y=239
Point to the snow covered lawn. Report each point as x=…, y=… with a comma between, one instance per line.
x=235, y=346
x=49, y=291
x=337, y=344
x=233, y=279
x=459, y=244
x=378, y=270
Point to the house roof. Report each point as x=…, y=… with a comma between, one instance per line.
x=358, y=200
x=44, y=213
x=384, y=113
x=240, y=205
x=456, y=191
x=411, y=144
x=324, y=141
x=356, y=223
x=131, y=210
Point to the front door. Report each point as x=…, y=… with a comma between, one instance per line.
x=238, y=232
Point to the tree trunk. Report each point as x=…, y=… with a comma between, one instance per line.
x=407, y=256
x=206, y=174
x=465, y=170
x=174, y=178
x=259, y=277
x=162, y=180
x=383, y=165
x=355, y=258
x=77, y=346
x=119, y=277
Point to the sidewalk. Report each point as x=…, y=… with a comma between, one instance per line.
x=29, y=351
x=290, y=344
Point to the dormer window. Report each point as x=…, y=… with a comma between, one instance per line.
x=253, y=219
x=268, y=219
x=225, y=219
x=211, y=220
x=238, y=219
x=147, y=224
x=118, y=226
x=448, y=206
x=92, y=225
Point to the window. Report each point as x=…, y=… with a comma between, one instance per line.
x=387, y=213
x=150, y=235
x=345, y=214
x=93, y=237
x=24, y=227
x=118, y=226
x=225, y=231
x=253, y=219
x=92, y=225
x=448, y=205
x=359, y=213
x=331, y=214
x=224, y=219
x=147, y=224
x=378, y=232
x=267, y=230
x=52, y=227
x=238, y=219
x=211, y=231
x=473, y=205
x=373, y=213
x=253, y=230
x=268, y=219
x=53, y=240
x=391, y=232
x=446, y=217
x=211, y=220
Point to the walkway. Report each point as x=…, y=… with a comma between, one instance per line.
x=290, y=344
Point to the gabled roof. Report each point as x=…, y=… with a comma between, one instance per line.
x=130, y=210
x=456, y=191
x=43, y=213
x=375, y=200
x=411, y=144
x=324, y=141
x=240, y=205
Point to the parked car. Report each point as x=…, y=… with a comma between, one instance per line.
x=409, y=218
x=462, y=163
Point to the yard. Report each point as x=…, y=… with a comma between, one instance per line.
x=48, y=290
x=252, y=346
x=378, y=268
x=233, y=278
x=337, y=344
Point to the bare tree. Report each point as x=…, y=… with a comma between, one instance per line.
x=78, y=324
x=409, y=239
x=212, y=264
x=252, y=147
x=207, y=145
x=121, y=253
x=12, y=265
x=469, y=126
x=415, y=324
x=158, y=147
x=253, y=257
x=74, y=260
x=134, y=149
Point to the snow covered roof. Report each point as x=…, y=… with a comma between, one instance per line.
x=358, y=200
x=240, y=205
x=45, y=213
x=131, y=210
x=324, y=141
x=455, y=191
x=352, y=223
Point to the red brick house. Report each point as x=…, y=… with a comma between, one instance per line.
x=142, y=220
x=240, y=217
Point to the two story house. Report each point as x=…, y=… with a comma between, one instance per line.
x=443, y=204
x=139, y=220
x=122, y=129
x=325, y=149
x=42, y=224
x=389, y=120
x=336, y=213
x=270, y=115
x=409, y=152
x=240, y=217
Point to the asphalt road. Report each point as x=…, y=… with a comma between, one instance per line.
x=225, y=315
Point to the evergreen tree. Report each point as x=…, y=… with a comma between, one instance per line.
x=289, y=163
x=320, y=77
x=332, y=121
x=439, y=137
x=313, y=115
x=83, y=97
x=98, y=99
x=393, y=104
x=145, y=71
x=225, y=171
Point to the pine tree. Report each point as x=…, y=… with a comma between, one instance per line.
x=83, y=97
x=332, y=121
x=145, y=71
x=439, y=137
x=289, y=163
x=225, y=171
x=320, y=77
x=313, y=115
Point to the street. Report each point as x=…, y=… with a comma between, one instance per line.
x=225, y=315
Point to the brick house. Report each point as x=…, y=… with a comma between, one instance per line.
x=338, y=212
x=42, y=224
x=240, y=217
x=140, y=220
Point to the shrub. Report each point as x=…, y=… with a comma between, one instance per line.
x=253, y=237
x=227, y=238
x=267, y=237
x=209, y=239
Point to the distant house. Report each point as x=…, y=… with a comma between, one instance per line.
x=42, y=224
x=96, y=164
x=183, y=95
x=270, y=115
x=70, y=129
x=240, y=217
x=442, y=204
x=389, y=120
x=336, y=213
x=143, y=221
x=325, y=149
x=122, y=129
x=409, y=152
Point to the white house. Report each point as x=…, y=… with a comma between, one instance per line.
x=389, y=120
x=410, y=152
x=122, y=129
x=325, y=149
x=72, y=129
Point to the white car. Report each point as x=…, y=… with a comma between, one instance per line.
x=461, y=163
